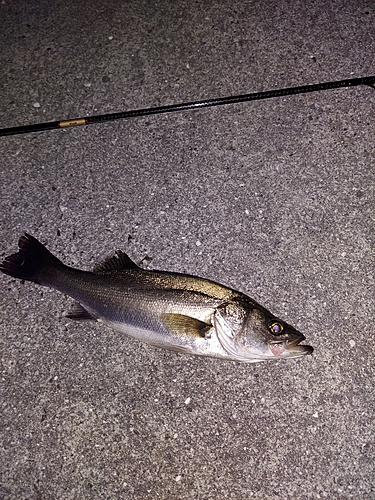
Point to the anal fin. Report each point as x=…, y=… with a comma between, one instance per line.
x=79, y=313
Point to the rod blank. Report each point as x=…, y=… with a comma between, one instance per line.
x=87, y=120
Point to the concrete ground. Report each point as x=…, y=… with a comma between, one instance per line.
x=274, y=198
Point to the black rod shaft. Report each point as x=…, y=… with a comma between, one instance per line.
x=24, y=129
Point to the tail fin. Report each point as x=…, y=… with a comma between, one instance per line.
x=33, y=262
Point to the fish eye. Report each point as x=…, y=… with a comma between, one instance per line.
x=276, y=327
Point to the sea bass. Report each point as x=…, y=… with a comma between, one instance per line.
x=175, y=311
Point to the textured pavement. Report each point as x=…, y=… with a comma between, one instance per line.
x=274, y=198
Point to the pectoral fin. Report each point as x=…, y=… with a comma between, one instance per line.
x=184, y=327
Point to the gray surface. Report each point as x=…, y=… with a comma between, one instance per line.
x=273, y=198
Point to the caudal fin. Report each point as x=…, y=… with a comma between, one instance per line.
x=33, y=262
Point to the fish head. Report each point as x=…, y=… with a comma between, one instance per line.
x=250, y=333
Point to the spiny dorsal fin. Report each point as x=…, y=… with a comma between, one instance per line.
x=79, y=313
x=117, y=262
x=184, y=326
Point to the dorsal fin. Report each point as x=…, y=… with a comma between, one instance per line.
x=117, y=262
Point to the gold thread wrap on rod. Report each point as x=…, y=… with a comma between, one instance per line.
x=72, y=123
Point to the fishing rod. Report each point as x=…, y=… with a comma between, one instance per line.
x=88, y=120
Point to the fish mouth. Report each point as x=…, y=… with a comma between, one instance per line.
x=290, y=347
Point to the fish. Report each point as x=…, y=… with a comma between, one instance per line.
x=179, y=312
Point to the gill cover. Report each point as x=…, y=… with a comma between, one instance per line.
x=230, y=321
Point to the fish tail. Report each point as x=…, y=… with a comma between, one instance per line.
x=33, y=262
